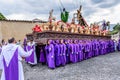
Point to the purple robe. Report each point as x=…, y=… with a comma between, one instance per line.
x=76, y=52
x=50, y=56
x=105, y=48
x=63, y=53
x=71, y=52
x=101, y=49
x=97, y=48
x=80, y=58
x=92, y=45
x=87, y=49
x=42, y=56
x=68, y=53
x=119, y=45
x=57, y=54
x=11, y=71
x=90, y=52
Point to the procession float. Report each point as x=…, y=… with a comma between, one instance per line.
x=77, y=29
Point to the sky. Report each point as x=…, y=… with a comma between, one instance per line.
x=92, y=10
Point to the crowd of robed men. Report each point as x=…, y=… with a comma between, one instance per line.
x=55, y=53
x=61, y=52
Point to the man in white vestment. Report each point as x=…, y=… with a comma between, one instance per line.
x=10, y=61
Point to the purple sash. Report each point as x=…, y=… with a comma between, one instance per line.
x=11, y=71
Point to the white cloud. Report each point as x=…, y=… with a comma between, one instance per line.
x=27, y=16
x=7, y=1
x=31, y=9
x=109, y=14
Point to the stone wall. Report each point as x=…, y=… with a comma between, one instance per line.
x=17, y=29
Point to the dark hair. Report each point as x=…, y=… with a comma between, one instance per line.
x=11, y=40
x=3, y=41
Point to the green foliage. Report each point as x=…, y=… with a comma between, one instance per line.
x=2, y=17
x=116, y=29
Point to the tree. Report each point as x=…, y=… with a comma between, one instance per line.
x=116, y=29
x=2, y=17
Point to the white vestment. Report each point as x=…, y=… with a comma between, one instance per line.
x=8, y=52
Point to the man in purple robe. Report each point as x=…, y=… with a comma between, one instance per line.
x=42, y=55
x=50, y=55
x=90, y=49
x=76, y=50
x=80, y=52
x=94, y=48
x=32, y=59
x=119, y=45
x=67, y=50
x=10, y=59
x=97, y=47
x=57, y=53
x=62, y=52
x=102, y=47
x=71, y=51
x=92, y=45
x=87, y=50
x=113, y=43
x=108, y=46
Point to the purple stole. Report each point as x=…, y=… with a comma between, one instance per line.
x=31, y=57
x=12, y=70
x=50, y=55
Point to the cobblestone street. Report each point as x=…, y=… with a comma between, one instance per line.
x=104, y=67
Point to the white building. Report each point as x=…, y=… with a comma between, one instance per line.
x=116, y=36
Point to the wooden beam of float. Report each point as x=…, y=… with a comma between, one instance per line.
x=42, y=37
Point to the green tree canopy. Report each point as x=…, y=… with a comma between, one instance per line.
x=116, y=29
x=2, y=17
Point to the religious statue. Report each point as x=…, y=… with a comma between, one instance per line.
x=79, y=17
x=64, y=15
x=51, y=18
x=73, y=20
x=104, y=27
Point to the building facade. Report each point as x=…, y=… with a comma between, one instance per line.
x=16, y=28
